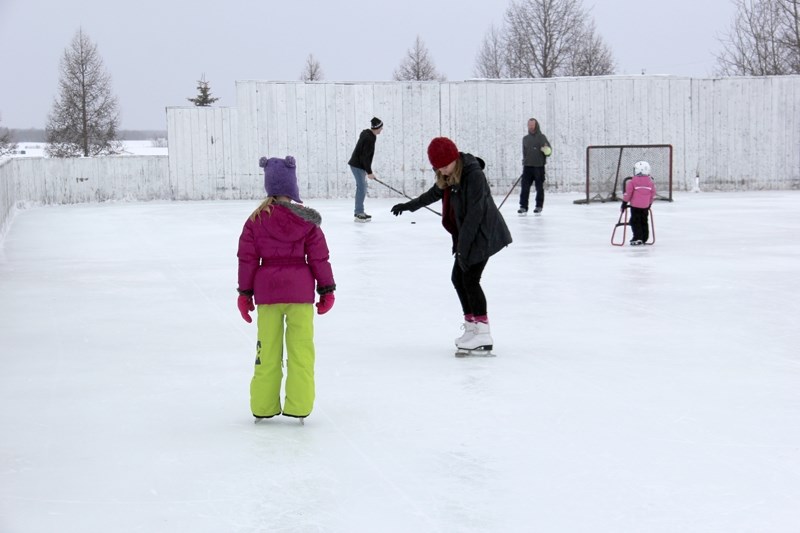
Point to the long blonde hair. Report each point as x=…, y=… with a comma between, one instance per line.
x=454, y=178
x=265, y=207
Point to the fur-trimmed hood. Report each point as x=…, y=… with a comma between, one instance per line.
x=289, y=222
x=306, y=213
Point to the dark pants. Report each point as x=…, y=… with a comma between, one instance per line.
x=530, y=176
x=640, y=226
x=468, y=288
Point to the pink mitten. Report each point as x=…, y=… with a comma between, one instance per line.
x=245, y=304
x=325, y=303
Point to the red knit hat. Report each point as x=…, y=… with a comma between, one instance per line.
x=441, y=152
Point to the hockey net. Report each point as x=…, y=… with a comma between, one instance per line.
x=607, y=166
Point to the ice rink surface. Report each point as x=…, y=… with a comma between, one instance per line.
x=652, y=389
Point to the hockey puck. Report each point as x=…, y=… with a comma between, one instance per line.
x=413, y=222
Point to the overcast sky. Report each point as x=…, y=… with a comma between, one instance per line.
x=156, y=50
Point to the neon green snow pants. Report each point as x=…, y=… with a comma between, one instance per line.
x=265, y=387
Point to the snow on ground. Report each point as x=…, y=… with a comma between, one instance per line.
x=148, y=147
x=648, y=389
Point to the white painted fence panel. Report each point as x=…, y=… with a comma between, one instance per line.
x=319, y=123
x=8, y=195
x=96, y=179
x=732, y=133
x=203, y=153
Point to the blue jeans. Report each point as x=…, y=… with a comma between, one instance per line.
x=361, y=188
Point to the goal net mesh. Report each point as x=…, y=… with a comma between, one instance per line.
x=607, y=166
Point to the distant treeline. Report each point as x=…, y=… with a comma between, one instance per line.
x=33, y=135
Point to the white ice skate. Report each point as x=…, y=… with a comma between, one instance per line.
x=469, y=330
x=478, y=345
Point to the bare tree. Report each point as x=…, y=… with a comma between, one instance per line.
x=312, y=71
x=764, y=39
x=542, y=39
x=542, y=35
x=84, y=118
x=6, y=145
x=203, y=98
x=592, y=56
x=417, y=65
x=790, y=32
x=491, y=59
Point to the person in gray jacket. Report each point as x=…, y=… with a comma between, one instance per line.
x=535, y=151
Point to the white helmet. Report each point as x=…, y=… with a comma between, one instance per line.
x=641, y=168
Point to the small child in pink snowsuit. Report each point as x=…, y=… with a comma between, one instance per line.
x=639, y=193
x=283, y=259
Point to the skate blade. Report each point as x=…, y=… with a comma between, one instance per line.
x=262, y=419
x=362, y=221
x=477, y=352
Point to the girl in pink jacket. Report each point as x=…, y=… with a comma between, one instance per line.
x=283, y=259
x=639, y=193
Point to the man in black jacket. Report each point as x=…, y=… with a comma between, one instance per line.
x=361, y=165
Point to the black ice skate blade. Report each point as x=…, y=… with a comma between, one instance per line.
x=478, y=352
x=260, y=419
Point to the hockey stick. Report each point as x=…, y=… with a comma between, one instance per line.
x=509, y=192
x=404, y=194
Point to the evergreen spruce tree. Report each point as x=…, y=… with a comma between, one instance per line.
x=203, y=98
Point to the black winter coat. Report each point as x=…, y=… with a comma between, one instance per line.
x=364, y=151
x=480, y=230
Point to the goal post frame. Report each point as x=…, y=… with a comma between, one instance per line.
x=619, y=174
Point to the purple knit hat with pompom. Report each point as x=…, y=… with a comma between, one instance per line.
x=280, y=177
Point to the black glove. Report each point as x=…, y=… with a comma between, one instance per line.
x=462, y=264
x=398, y=209
x=624, y=206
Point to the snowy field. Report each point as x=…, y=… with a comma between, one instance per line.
x=149, y=147
x=652, y=389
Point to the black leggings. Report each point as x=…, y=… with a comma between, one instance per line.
x=640, y=223
x=468, y=288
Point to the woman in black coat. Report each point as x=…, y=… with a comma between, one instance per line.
x=476, y=226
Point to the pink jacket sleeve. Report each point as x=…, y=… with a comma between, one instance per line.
x=318, y=258
x=248, y=259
